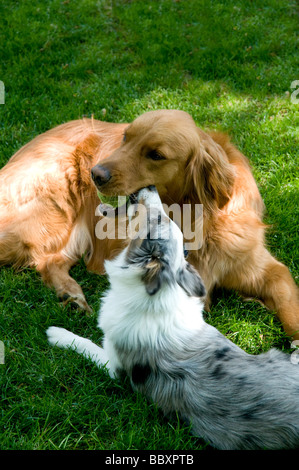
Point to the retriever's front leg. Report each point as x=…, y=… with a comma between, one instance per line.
x=55, y=273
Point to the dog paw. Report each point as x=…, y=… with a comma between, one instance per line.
x=60, y=337
x=76, y=302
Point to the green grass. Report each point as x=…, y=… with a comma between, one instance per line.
x=230, y=65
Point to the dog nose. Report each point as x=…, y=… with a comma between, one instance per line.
x=152, y=188
x=100, y=175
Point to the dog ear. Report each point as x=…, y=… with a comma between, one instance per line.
x=209, y=175
x=189, y=279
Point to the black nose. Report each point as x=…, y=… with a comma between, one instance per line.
x=100, y=175
x=153, y=188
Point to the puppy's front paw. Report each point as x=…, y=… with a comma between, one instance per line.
x=60, y=337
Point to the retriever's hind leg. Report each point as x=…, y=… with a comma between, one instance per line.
x=271, y=282
x=55, y=273
x=280, y=293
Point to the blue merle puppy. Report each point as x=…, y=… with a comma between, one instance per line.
x=154, y=331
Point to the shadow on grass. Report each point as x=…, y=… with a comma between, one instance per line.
x=64, y=59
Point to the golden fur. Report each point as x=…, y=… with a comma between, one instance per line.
x=48, y=202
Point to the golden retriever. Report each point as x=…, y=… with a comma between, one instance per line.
x=48, y=204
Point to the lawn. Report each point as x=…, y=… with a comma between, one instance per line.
x=229, y=64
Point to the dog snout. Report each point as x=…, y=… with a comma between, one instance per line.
x=142, y=193
x=100, y=175
x=148, y=195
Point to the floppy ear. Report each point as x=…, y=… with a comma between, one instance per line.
x=189, y=279
x=209, y=175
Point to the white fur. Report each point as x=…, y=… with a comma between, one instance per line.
x=65, y=339
x=129, y=316
x=140, y=319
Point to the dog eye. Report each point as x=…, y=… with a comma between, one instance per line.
x=124, y=137
x=154, y=155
